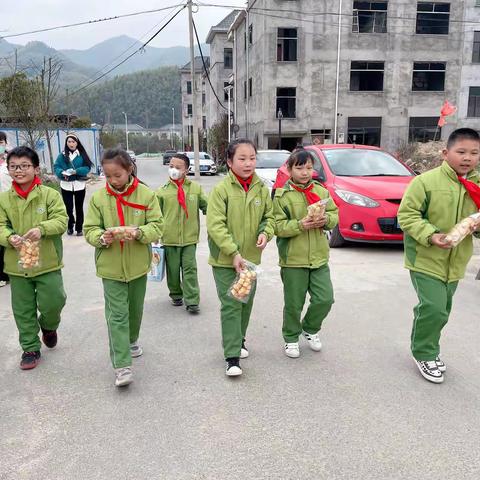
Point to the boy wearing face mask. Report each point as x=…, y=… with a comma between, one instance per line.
x=180, y=201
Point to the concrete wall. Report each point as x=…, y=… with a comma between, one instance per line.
x=314, y=73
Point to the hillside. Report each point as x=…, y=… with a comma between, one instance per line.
x=147, y=97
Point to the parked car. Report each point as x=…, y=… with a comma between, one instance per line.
x=367, y=184
x=268, y=163
x=168, y=155
x=132, y=155
x=207, y=165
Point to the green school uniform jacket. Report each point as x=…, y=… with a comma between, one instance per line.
x=433, y=203
x=179, y=230
x=43, y=208
x=297, y=247
x=235, y=218
x=133, y=261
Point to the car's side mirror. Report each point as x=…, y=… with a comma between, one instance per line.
x=417, y=172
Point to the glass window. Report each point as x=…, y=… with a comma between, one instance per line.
x=433, y=18
x=189, y=87
x=369, y=17
x=474, y=102
x=228, y=58
x=476, y=48
x=286, y=45
x=189, y=109
x=423, y=129
x=429, y=76
x=286, y=102
x=365, y=130
x=367, y=76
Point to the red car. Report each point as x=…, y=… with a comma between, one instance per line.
x=367, y=184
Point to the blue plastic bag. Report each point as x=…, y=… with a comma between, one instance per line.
x=157, y=267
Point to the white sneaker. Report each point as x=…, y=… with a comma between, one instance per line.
x=430, y=370
x=244, y=352
x=313, y=341
x=3, y=283
x=123, y=376
x=135, y=350
x=440, y=364
x=292, y=350
x=233, y=368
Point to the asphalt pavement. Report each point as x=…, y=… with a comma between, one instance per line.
x=357, y=410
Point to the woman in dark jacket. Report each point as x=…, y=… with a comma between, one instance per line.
x=72, y=167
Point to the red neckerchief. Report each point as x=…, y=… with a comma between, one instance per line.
x=244, y=183
x=181, y=194
x=121, y=201
x=24, y=193
x=473, y=190
x=311, y=197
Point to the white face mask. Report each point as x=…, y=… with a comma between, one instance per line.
x=174, y=173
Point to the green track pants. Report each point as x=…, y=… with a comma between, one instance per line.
x=123, y=312
x=234, y=315
x=43, y=294
x=430, y=315
x=296, y=283
x=182, y=279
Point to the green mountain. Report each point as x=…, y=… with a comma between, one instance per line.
x=147, y=97
x=119, y=47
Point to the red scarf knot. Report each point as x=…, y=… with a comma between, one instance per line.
x=310, y=196
x=473, y=190
x=181, y=194
x=121, y=201
x=24, y=193
x=244, y=183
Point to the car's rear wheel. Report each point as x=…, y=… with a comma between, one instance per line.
x=335, y=239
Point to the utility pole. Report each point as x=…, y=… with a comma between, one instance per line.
x=126, y=128
x=337, y=80
x=280, y=117
x=174, y=144
x=194, y=94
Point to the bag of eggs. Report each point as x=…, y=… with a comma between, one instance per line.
x=244, y=283
x=123, y=233
x=462, y=229
x=316, y=211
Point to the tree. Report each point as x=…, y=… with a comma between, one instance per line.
x=81, y=122
x=218, y=139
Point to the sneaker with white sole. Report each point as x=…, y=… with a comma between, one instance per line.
x=123, y=376
x=440, y=364
x=135, y=350
x=244, y=351
x=313, y=341
x=430, y=370
x=233, y=367
x=292, y=350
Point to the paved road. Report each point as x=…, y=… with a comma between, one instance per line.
x=358, y=410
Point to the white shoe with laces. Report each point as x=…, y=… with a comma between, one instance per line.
x=313, y=341
x=123, y=376
x=441, y=365
x=429, y=370
x=292, y=350
x=244, y=351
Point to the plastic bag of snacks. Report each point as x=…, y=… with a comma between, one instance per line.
x=157, y=267
x=244, y=283
x=29, y=254
x=123, y=233
x=316, y=211
x=462, y=229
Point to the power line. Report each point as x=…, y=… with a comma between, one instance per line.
x=206, y=69
x=129, y=56
x=89, y=22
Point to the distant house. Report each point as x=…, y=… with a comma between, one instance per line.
x=168, y=130
x=133, y=128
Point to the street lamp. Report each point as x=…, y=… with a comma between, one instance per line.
x=228, y=89
x=126, y=127
x=279, y=116
x=173, y=128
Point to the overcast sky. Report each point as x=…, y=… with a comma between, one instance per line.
x=27, y=15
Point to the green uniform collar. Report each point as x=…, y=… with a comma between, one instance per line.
x=233, y=179
x=473, y=175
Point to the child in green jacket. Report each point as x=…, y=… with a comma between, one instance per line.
x=303, y=251
x=30, y=211
x=123, y=264
x=433, y=203
x=180, y=201
x=239, y=223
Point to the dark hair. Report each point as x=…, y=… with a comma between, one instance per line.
x=232, y=146
x=122, y=158
x=462, y=133
x=300, y=157
x=182, y=156
x=81, y=149
x=19, y=152
x=3, y=137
